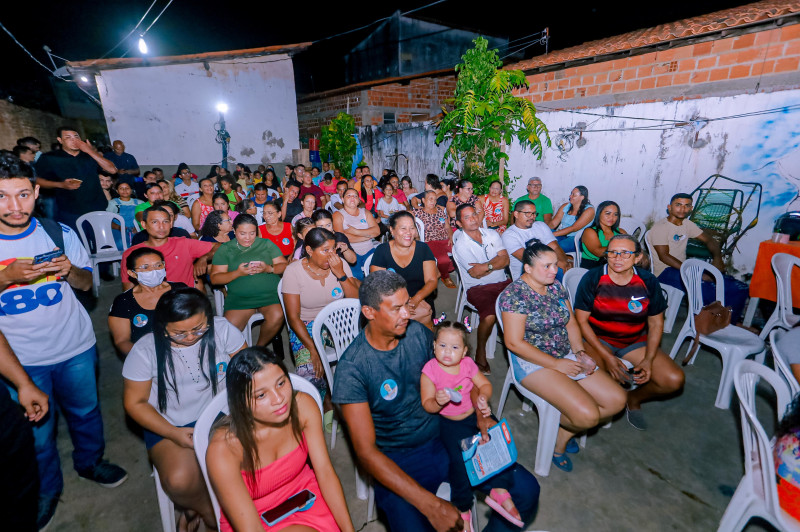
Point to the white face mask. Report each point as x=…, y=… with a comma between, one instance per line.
x=151, y=278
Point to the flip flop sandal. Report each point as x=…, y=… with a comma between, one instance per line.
x=327, y=422
x=495, y=501
x=572, y=446
x=562, y=462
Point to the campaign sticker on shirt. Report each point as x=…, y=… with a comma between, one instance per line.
x=285, y=241
x=336, y=292
x=441, y=220
x=140, y=320
x=363, y=220
x=678, y=238
x=634, y=306
x=563, y=303
x=222, y=367
x=389, y=389
x=391, y=270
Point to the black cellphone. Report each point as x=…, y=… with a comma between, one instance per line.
x=47, y=257
x=297, y=502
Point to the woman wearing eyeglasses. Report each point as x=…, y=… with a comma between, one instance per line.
x=170, y=376
x=131, y=314
x=620, y=309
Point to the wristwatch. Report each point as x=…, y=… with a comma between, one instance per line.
x=490, y=267
x=342, y=279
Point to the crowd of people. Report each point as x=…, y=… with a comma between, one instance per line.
x=285, y=248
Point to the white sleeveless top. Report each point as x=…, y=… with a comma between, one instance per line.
x=358, y=222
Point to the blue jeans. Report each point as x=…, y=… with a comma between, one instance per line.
x=428, y=465
x=567, y=243
x=736, y=292
x=72, y=387
x=358, y=269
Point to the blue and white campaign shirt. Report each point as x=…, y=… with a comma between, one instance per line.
x=43, y=320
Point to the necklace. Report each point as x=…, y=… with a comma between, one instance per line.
x=243, y=249
x=315, y=275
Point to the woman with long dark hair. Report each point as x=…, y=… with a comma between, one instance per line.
x=464, y=195
x=594, y=240
x=571, y=217
x=269, y=448
x=170, y=376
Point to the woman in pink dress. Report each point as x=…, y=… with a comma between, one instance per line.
x=270, y=448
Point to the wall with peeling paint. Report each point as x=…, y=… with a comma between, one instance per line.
x=642, y=169
x=167, y=114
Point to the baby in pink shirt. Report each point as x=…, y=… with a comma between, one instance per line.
x=445, y=388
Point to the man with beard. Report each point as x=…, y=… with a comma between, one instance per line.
x=50, y=332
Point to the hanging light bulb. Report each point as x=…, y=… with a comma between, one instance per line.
x=84, y=79
x=142, y=44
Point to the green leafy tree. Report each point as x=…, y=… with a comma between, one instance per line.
x=485, y=117
x=337, y=144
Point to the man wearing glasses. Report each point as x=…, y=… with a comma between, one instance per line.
x=620, y=309
x=524, y=230
x=544, y=207
x=50, y=333
x=186, y=258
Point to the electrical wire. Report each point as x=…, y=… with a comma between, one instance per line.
x=376, y=21
x=157, y=17
x=52, y=72
x=130, y=32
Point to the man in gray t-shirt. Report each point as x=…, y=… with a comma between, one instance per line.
x=523, y=230
x=377, y=386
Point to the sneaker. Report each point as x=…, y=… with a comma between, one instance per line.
x=47, y=510
x=106, y=474
x=636, y=419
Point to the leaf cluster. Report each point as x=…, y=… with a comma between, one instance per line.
x=337, y=143
x=485, y=116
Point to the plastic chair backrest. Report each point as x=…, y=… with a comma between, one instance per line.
x=578, y=246
x=572, y=278
x=633, y=227
x=783, y=367
x=420, y=229
x=219, y=404
x=650, y=251
x=759, y=465
x=367, y=263
x=782, y=266
x=341, y=319
x=692, y=271
x=100, y=222
x=499, y=315
x=280, y=297
x=329, y=207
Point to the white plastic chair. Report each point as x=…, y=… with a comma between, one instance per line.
x=462, y=304
x=367, y=263
x=219, y=404
x=633, y=227
x=572, y=278
x=757, y=493
x=340, y=318
x=782, y=265
x=329, y=207
x=106, y=249
x=549, y=416
x=674, y=295
x=420, y=229
x=576, y=255
x=219, y=303
x=166, y=508
x=783, y=367
x=733, y=343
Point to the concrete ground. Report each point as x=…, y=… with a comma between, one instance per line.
x=678, y=475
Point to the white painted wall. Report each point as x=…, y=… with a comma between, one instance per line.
x=167, y=114
x=641, y=170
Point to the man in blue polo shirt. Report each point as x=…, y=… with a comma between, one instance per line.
x=127, y=167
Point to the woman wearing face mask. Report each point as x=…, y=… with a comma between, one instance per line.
x=170, y=376
x=131, y=314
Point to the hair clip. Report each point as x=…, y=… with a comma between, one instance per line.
x=466, y=324
x=440, y=319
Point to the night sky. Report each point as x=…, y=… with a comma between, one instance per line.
x=86, y=29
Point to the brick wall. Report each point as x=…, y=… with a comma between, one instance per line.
x=418, y=99
x=748, y=63
x=17, y=121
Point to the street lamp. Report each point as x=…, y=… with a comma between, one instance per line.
x=142, y=45
x=223, y=137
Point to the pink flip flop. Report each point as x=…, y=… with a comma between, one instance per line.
x=495, y=502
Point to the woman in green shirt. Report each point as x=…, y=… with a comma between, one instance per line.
x=250, y=267
x=594, y=240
